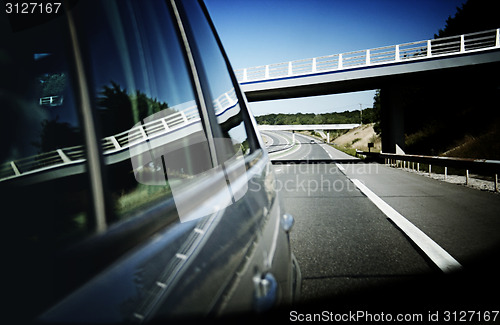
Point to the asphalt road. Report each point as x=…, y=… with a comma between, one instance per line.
x=354, y=253
x=282, y=147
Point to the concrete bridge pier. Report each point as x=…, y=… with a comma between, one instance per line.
x=393, y=132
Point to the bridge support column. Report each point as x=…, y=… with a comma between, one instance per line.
x=393, y=135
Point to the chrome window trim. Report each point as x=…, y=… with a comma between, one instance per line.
x=197, y=84
x=89, y=129
x=250, y=124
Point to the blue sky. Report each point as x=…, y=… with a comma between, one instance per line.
x=259, y=32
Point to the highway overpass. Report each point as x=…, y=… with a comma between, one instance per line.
x=474, y=56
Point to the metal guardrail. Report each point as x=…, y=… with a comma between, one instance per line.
x=481, y=166
x=382, y=55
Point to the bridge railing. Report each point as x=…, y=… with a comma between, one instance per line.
x=117, y=142
x=382, y=55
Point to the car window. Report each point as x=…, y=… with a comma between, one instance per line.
x=152, y=132
x=44, y=192
x=232, y=136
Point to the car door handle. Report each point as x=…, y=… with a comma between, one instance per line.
x=266, y=291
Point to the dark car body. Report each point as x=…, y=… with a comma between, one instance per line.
x=134, y=184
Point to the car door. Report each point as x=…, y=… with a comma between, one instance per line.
x=136, y=188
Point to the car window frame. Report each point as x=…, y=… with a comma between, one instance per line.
x=112, y=241
x=249, y=124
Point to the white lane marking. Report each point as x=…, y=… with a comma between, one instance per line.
x=324, y=146
x=436, y=253
x=339, y=166
x=280, y=154
x=307, y=154
x=268, y=137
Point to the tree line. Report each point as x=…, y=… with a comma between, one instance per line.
x=368, y=115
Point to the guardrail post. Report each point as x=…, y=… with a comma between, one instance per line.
x=462, y=44
x=63, y=156
x=290, y=72
x=114, y=142
x=430, y=169
x=15, y=169
x=143, y=132
x=497, y=43
x=230, y=100
x=466, y=177
x=429, y=50
x=418, y=167
x=245, y=75
x=340, y=61
x=496, y=177
x=165, y=125
x=184, y=117
x=367, y=57
x=218, y=106
x=396, y=54
x=445, y=172
x=314, y=65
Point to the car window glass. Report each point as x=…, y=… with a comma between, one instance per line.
x=233, y=136
x=153, y=137
x=43, y=179
x=41, y=135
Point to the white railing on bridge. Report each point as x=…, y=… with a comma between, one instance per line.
x=121, y=141
x=382, y=55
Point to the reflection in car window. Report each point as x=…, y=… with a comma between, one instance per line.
x=43, y=181
x=153, y=137
x=221, y=89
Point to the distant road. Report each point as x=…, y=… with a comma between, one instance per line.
x=353, y=252
x=305, y=147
